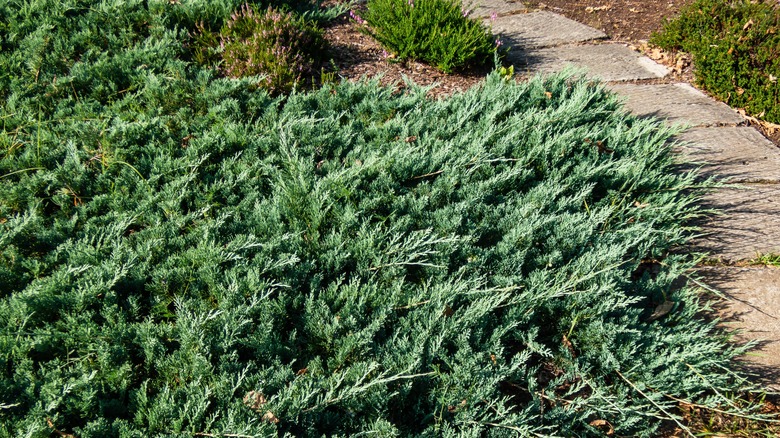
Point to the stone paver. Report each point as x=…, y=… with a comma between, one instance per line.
x=609, y=62
x=677, y=103
x=752, y=305
x=749, y=224
x=541, y=29
x=485, y=8
x=733, y=154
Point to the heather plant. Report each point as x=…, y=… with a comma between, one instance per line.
x=736, y=51
x=439, y=32
x=285, y=50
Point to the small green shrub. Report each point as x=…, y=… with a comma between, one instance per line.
x=438, y=32
x=284, y=48
x=736, y=51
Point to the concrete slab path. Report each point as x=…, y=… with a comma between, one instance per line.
x=749, y=221
x=733, y=154
x=608, y=62
x=678, y=103
x=541, y=29
x=748, y=224
x=495, y=8
x=753, y=295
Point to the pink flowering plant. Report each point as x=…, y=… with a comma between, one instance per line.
x=440, y=32
x=284, y=49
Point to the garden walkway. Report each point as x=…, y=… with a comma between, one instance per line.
x=749, y=223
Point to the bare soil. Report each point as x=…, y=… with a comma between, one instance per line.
x=623, y=20
x=356, y=55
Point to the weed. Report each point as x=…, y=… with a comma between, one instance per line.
x=769, y=259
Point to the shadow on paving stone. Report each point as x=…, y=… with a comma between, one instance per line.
x=540, y=29
x=752, y=307
x=747, y=225
x=678, y=103
x=486, y=8
x=607, y=62
x=732, y=154
x=728, y=170
x=515, y=43
x=768, y=376
x=658, y=115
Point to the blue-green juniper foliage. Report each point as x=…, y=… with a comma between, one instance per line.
x=182, y=254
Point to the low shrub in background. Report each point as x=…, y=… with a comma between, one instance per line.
x=283, y=48
x=736, y=51
x=438, y=32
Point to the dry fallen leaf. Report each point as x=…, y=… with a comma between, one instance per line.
x=679, y=65
x=567, y=343
x=661, y=310
x=59, y=433
x=254, y=400
x=602, y=424
x=603, y=149
x=270, y=417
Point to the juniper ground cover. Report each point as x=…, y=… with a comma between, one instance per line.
x=182, y=254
